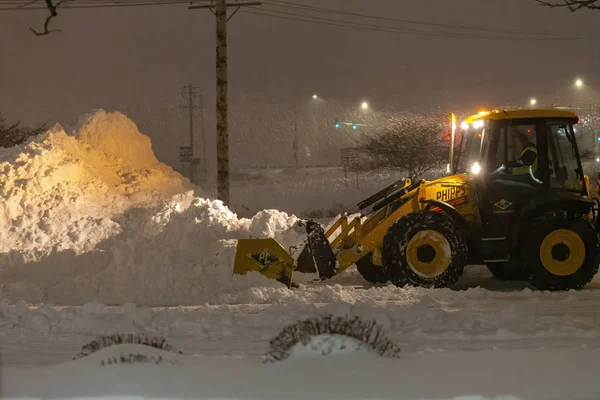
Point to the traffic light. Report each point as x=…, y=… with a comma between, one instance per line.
x=337, y=124
x=354, y=126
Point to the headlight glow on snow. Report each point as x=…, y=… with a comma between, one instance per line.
x=475, y=168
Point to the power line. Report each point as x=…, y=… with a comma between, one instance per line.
x=74, y=5
x=404, y=31
x=287, y=4
x=82, y=4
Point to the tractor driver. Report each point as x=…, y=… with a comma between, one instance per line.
x=527, y=158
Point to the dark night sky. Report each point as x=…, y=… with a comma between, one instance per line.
x=136, y=60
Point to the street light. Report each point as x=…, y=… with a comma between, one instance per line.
x=364, y=105
x=533, y=102
x=579, y=83
x=295, y=142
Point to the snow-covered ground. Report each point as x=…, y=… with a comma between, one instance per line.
x=500, y=375
x=98, y=237
x=478, y=341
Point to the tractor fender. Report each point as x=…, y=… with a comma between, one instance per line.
x=570, y=203
x=470, y=234
x=451, y=212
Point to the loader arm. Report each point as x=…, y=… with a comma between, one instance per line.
x=357, y=239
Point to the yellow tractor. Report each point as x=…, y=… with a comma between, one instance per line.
x=531, y=221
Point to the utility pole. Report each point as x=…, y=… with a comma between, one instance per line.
x=220, y=11
x=203, y=131
x=222, y=105
x=295, y=145
x=191, y=107
x=187, y=153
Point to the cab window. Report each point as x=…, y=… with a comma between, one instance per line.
x=565, y=170
x=495, y=149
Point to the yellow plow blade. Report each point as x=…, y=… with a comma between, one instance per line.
x=265, y=256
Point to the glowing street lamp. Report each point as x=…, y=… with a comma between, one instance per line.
x=364, y=105
x=579, y=83
x=315, y=96
x=533, y=102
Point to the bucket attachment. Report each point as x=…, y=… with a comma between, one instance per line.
x=317, y=255
x=265, y=256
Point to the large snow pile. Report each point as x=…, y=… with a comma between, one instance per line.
x=60, y=192
x=179, y=253
x=92, y=215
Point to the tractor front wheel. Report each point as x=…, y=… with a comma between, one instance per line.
x=562, y=253
x=425, y=249
x=370, y=272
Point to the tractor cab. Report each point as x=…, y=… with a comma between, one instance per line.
x=524, y=164
x=536, y=148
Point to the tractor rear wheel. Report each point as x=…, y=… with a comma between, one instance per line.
x=425, y=249
x=504, y=272
x=562, y=253
x=370, y=272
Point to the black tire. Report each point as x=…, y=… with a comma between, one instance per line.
x=370, y=272
x=395, y=250
x=558, y=274
x=507, y=273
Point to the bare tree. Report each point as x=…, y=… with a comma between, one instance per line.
x=416, y=145
x=572, y=5
x=13, y=134
x=52, y=9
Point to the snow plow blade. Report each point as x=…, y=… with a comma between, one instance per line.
x=269, y=258
x=265, y=256
x=317, y=255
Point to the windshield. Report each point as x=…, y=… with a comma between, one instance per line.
x=468, y=149
x=512, y=143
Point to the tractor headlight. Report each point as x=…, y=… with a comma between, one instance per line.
x=478, y=124
x=475, y=168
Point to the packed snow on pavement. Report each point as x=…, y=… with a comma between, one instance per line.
x=98, y=237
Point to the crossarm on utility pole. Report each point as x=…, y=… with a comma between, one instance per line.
x=237, y=4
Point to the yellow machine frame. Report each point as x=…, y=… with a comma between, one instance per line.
x=353, y=239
